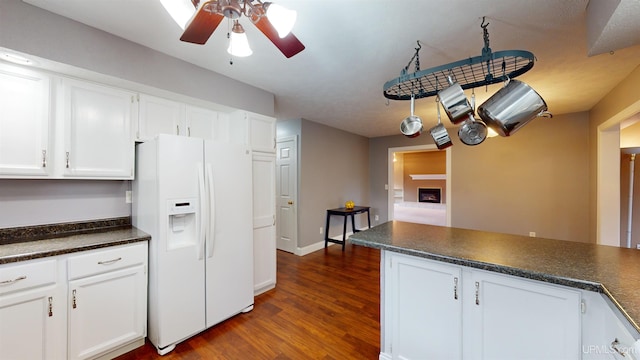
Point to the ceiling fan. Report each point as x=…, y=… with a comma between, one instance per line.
x=199, y=25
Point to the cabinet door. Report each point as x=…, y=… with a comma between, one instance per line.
x=106, y=311
x=510, y=318
x=426, y=315
x=262, y=133
x=264, y=228
x=97, y=131
x=201, y=123
x=24, y=123
x=30, y=322
x=159, y=116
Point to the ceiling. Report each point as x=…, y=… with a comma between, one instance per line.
x=354, y=46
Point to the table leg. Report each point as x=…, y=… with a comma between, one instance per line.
x=344, y=231
x=326, y=230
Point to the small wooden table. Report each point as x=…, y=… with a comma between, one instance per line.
x=344, y=212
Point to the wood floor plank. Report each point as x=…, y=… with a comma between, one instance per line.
x=326, y=305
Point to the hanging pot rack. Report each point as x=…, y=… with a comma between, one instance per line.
x=486, y=69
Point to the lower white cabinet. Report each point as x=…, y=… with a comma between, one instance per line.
x=107, y=304
x=435, y=310
x=85, y=305
x=32, y=311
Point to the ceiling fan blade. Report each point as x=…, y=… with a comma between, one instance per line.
x=202, y=24
x=288, y=45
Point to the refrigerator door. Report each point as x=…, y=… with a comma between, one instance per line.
x=177, y=249
x=229, y=243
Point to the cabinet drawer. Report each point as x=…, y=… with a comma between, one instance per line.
x=27, y=275
x=100, y=261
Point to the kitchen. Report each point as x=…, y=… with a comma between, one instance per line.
x=36, y=202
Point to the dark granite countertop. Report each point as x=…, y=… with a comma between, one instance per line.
x=610, y=270
x=26, y=243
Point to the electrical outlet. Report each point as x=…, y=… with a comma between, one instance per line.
x=127, y=196
x=320, y=230
x=532, y=233
x=376, y=218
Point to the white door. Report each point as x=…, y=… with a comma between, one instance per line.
x=200, y=122
x=229, y=239
x=287, y=194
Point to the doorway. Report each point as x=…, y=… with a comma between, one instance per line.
x=416, y=211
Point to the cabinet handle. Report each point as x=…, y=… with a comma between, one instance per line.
x=108, y=262
x=455, y=288
x=177, y=129
x=614, y=346
x=7, y=282
x=477, y=293
x=44, y=158
x=73, y=299
x=274, y=220
x=67, y=159
x=50, y=306
x=189, y=131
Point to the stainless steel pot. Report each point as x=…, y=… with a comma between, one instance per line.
x=512, y=107
x=439, y=134
x=411, y=126
x=455, y=103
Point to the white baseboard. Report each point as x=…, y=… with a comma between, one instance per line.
x=319, y=245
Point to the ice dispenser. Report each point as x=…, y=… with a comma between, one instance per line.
x=182, y=223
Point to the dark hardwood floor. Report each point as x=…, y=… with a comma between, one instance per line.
x=326, y=305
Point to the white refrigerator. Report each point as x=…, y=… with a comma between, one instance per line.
x=194, y=197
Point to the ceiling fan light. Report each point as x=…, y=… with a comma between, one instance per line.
x=238, y=42
x=282, y=18
x=180, y=10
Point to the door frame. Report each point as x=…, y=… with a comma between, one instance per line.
x=430, y=147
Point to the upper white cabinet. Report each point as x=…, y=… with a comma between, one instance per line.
x=260, y=130
x=97, y=131
x=158, y=116
x=25, y=143
x=504, y=317
x=163, y=116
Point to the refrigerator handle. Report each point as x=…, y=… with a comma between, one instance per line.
x=203, y=207
x=212, y=211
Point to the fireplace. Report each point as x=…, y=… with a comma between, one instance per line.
x=430, y=195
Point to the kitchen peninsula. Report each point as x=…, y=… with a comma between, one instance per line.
x=467, y=294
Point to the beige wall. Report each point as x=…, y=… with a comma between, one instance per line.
x=533, y=181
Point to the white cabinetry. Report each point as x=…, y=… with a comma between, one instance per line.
x=426, y=302
x=97, y=131
x=261, y=130
x=164, y=116
x=264, y=219
x=107, y=300
x=84, y=305
x=31, y=311
x=25, y=143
